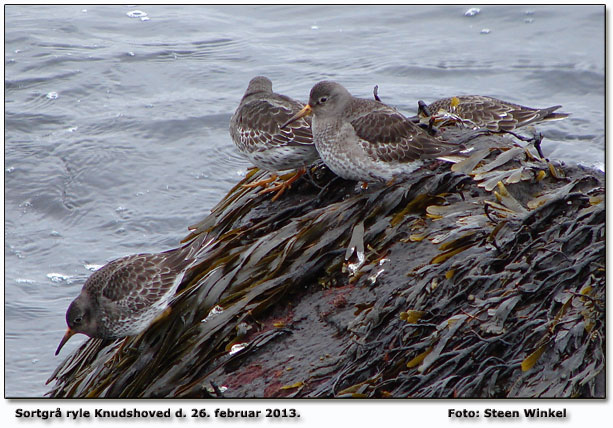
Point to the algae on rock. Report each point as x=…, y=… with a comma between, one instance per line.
x=482, y=280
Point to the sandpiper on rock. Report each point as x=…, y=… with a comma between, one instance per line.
x=366, y=140
x=255, y=129
x=478, y=111
x=126, y=295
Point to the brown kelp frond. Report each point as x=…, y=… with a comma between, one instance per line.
x=481, y=280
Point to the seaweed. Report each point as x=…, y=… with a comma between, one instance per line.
x=485, y=279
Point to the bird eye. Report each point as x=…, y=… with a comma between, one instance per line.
x=323, y=99
x=77, y=320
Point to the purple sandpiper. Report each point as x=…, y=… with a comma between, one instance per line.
x=255, y=129
x=127, y=294
x=366, y=140
x=478, y=111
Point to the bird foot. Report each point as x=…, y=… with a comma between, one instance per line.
x=283, y=184
x=261, y=183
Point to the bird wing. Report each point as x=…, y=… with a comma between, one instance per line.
x=140, y=280
x=387, y=135
x=493, y=114
x=257, y=124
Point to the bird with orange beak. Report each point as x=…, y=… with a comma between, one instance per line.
x=366, y=140
x=255, y=130
x=126, y=295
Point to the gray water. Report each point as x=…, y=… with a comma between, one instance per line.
x=116, y=121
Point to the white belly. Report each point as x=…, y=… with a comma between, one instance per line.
x=344, y=154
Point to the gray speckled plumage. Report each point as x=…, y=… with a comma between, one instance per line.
x=124, y=296
x=478, y=111
x=255, y=129
x=366, y=140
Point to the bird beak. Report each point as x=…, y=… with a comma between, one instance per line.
x=68, y=335
x=304, y=112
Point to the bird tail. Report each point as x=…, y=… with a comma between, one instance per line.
x=548, y=114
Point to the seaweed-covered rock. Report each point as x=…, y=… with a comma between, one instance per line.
x=485, y=279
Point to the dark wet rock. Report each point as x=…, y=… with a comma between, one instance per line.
x=482, y=280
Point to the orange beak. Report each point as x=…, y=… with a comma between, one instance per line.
x=68, y=335
x=304, y=112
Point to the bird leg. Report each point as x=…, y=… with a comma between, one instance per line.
x=285, y=183
x=261, y=183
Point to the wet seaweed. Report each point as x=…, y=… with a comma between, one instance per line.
x=485, y=279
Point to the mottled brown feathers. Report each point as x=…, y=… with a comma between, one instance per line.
x=494, y=114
